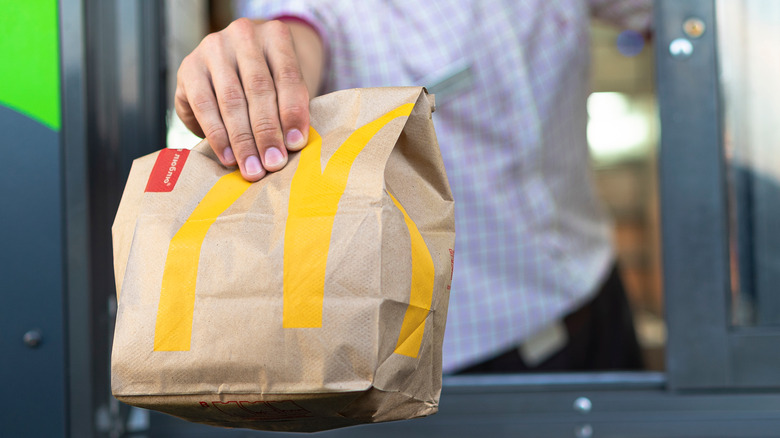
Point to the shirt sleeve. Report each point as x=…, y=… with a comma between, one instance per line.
x=298, y=10
x=628, y=14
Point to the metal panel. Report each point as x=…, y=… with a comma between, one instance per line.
x=693, y=200
x=755, y=358
x=32, y=326
x=78, y=307
x=704, y=350
x=31, y=268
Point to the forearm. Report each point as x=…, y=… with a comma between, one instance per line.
x=311, y=55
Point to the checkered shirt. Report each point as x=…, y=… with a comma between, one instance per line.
x=511, y=80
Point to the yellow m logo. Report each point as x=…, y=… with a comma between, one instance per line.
x=313, y=204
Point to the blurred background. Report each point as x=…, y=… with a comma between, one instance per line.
x=683, y=138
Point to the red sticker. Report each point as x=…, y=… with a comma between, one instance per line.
x=166, y=170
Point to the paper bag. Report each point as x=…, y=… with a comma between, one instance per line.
x=315, y=298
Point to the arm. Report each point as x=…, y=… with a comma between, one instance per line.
x=629, y=14
x=246, y=89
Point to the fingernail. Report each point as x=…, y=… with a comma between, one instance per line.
x=273, y=157
x=294, y=139
x=228, y=156
x=252, y=165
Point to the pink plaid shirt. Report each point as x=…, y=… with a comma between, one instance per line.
x=511, y=81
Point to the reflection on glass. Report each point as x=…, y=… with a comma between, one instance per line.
x=749, y=51
x=620, y=126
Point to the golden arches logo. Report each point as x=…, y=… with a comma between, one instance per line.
x=313, y=205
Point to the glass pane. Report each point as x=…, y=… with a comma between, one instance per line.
x=749, y=44
x=622, y=137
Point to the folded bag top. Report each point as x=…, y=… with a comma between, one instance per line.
x=315, y=298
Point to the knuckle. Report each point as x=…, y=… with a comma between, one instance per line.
x=203, y=104
x=242, y=140
x=233, y=97
x=260, y=84
x=293, y=113
x=209, y=39
x=241, y=23
x=265, y=128
x=243, y=27
x=278, y=28
x=289, y=75
x=216, y=134
x=212, y=42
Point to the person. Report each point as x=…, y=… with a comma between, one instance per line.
x=535, y=285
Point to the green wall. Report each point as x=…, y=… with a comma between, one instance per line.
x=29, y=59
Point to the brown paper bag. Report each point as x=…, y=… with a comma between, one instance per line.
x=315, y=298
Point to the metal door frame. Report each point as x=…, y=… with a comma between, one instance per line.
x=704, y=350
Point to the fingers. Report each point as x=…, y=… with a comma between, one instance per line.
x=259, y=89
x=243, y=90
x=292, y=94
x=233, y=107
x=184, y=110
x=197, y=107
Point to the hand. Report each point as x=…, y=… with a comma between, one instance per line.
x=245, y=90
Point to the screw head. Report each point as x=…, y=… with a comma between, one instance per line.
x=694, y=27
x=584, y=431
x=583, y=405
x=33, y=338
